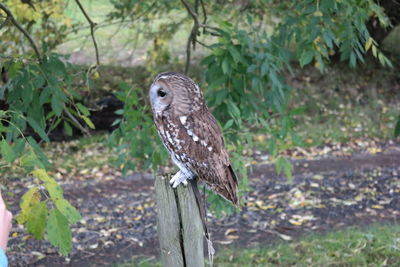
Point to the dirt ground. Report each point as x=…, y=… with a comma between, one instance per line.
x=119, y=221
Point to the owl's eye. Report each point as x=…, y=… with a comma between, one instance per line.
x=161, y=93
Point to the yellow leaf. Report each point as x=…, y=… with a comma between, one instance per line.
x=230, y=231
x=285, y=237
x=295, y=222
x=30, y=198
x=318, y=13
x=232, y=237
x=137, y=218
x=368, y=44
x=42, y=175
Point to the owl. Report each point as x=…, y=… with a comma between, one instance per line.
x=191, y=134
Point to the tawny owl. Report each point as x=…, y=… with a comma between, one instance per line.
x=191, y=134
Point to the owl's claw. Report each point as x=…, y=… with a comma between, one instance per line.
x=177, y=179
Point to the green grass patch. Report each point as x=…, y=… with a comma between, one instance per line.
x=376, y=245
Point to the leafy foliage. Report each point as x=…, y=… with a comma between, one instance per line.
x=50, y=25
x=245, y=88
x=136, y=136
x=37, y=96
x=317, y=30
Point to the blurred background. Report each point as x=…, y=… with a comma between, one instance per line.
x=307, y=94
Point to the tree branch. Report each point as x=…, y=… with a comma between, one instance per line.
x=204, y=14
x=193, y=34
x=77, y=124
x=21, y=29
x=92, y=29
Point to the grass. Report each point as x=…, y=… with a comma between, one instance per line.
x=376, y=245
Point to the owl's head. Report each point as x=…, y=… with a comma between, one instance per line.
x=176, y=91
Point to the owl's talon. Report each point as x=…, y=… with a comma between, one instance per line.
x=177, y=179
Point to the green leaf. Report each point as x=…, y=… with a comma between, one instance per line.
x=42, y=158
x=119, y=112
x=264, y=68
x=58, y=232
x=57, y=104
x=306, y=58
x=225, y=65
x=273, y=149
x=288, y=168
x=67, y=128
x=7, y=151
x=29, y=160
x=44, y=95
x=36, y=127
x=228, y=124
x=83, y=109
x=68, y=210
x=55, y=190
x=279, y=165
x=233, y=109
x=124, y=86
x=36, y=222
x=88, y=122
x=234, y=53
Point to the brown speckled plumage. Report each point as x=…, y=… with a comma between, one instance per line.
x=191, y=134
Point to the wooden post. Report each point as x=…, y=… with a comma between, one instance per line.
x=180, y=228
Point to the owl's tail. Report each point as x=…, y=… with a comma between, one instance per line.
x=228, y=188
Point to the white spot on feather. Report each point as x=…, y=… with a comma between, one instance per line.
x=209, y=148
x=169, y=137
x=183, y=119
x=195, y=138
x=203, y=143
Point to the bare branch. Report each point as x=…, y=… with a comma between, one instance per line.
x=190, y=10
x=77, y=124
x=193, y=34
x=202, y=44
x=208, y=27
x=92, y=29
x=203, y=8
x=21, y=29
x=195, y=29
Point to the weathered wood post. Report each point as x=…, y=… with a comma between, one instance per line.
x=179, y=226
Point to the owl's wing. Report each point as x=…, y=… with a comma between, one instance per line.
x=205, y=153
